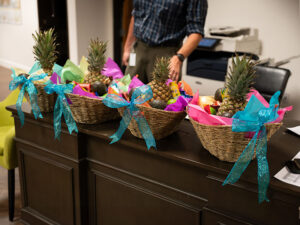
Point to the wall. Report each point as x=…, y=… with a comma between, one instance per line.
x=86, y=19
x=72, y=29
x=94, y=19
x=16, y=41
x=278, y=22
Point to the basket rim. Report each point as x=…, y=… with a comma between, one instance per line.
x=42, y=84
x=81, y=96
x=206, y=125
x=161, y=110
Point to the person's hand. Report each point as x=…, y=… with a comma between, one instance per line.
x=125, y=57
x=174, y=68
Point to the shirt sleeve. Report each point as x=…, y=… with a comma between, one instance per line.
x=196, y=15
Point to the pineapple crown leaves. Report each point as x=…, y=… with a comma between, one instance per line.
x=240, y=78
x=44, y=49
x=96, y=55
x=161, y=69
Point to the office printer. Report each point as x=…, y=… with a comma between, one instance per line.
x=206, y=67
x=233, y=39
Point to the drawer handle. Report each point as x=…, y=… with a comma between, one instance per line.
x=198, y=82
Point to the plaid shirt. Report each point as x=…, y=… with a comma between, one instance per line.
x=159, y=22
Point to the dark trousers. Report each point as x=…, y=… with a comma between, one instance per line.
x=145, y=59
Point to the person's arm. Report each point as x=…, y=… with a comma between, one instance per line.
x=195, y=20
x=187, y=48
x=129, y=42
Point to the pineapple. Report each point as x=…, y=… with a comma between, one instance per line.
x=44, y=49
x=160, y=75
x=238, y=83
x=96, y=60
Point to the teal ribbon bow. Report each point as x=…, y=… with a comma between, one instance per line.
x=139, y=96
x=36, y=67
x=27, y=85
x=253, y=119
x=61, y=108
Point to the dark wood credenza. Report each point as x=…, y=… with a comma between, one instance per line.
x=82, y=179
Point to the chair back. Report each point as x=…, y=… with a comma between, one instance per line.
x=271, y=79
x=5, y=116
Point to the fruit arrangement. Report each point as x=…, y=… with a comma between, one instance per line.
x=167, y=93
x=45, y=54
x=213, y=116
x=96, y=60
x=91, y=80
x=44, y=49
x=233, y=97
x=209, y=104
x=161, y=91
x=32, y=84
x=238, y=84
x=162, y=106
x=90, y=86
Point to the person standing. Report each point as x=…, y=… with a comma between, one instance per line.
x=157, y=28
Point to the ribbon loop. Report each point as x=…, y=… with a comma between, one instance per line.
x=115, y=101
x=142, y=94
x=36, y=67
x=139, y=96
x=27, y=85
x=61, y=108
x=253, y=118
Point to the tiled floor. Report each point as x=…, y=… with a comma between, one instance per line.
x=4, y=91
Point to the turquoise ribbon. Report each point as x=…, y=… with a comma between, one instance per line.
x=139, y=96
x=57, y=69
x=61, y=108
x=37, y=66
x=253, y=119
x=27, y=85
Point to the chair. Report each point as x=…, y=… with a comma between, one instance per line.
x=271, y=79
x=8, y=155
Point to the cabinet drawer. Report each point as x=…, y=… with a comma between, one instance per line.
x=114, y=201
x=241, y=199
x=41, y=135
x=146, y=165
x=211, y=217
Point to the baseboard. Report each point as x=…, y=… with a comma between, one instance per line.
x=9, y=64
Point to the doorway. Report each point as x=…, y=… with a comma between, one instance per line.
x=53, y=13
x=122, y=15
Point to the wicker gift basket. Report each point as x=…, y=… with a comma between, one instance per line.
x=45, y=101
x=88, y=110
x=162, y=123
x=45, y=52
x=223, y=143
x=214, y=118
